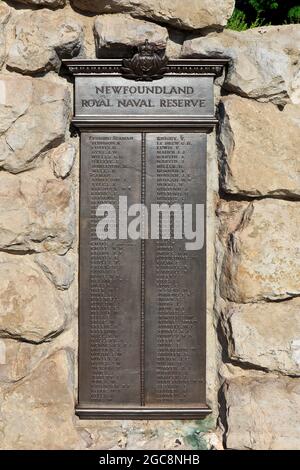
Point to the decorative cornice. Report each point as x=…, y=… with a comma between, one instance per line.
x=175, y=67
x=97, y=68
x=182, y=69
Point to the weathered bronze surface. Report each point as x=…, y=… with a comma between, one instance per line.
x=143, y=125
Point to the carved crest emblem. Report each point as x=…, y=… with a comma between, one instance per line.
x=149, y=63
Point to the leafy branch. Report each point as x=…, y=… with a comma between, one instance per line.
x=254, y=13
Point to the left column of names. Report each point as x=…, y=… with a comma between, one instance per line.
x=110, y=275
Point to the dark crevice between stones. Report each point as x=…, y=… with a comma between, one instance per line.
x=18, y=252
x=222, y=418
x=20, y=339
x=17, y=5
x=225, y=92
x=88, y=14
x=260, y=300
x=66, y=74
x=115, y=51
x=177, y=36
x=74, y=131
x=246, y=198
x=34, y=74
x=223, y=342
x=281, y=107
x=220, y=114
x=279, y=301
x=251, y=367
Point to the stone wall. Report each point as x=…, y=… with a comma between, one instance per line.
x=253, y=224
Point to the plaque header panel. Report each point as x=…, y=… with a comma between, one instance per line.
x=168, y=97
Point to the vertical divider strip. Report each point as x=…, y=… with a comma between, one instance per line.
x=143, y=200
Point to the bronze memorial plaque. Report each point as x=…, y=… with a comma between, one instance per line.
x=142, y=335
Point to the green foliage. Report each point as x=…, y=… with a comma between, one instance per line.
x=263, y=5
x=238, y=21
x=259, y=22
x=254, y=13
x=294, y=15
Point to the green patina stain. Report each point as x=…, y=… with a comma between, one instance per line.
x=195, y=437
x=196, y=441
x=205, y=425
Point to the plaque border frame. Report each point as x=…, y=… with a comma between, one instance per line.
x=201, y=67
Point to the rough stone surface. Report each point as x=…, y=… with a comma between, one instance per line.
x=5, y=13
x=37, y=412
x=263, y=260
x=43, y=112
x=296, y=89
x=117, y=34
x=30, y=307
x=230, y=214
x=264, y=61
x=263, y=414
x=37, y=212
x=18, y=359
x=62, y=159
x=42, y=39
x=59, y=269
x=265, y=335
x=44, y=3
x=260, y=148
x=190, y=14
x=4, y=16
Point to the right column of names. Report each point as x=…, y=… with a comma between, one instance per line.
x=175, y=293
